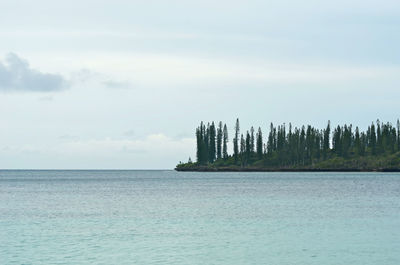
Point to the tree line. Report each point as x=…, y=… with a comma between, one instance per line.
x=294, y=146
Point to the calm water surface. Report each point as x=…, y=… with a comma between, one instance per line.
x=167, y=217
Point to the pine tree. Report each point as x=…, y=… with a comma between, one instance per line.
x=379, y=142
x=259, y=144
x=337, y=141
x=364, y=141
x=212, y=149
x=202, y=155
x=309, y=144
x=271, y=140
x=219, y=140
x=225, y=143
x=327, y=133
x=372, y=140
x=207, y=143
x=398, y=135
x=248, y=146
x=252, y=139
x=357, y=143
x=242, y=149
x=299, y=147
x=302, y=147
x=346, y=141
x=236, y=141
x=198, y=142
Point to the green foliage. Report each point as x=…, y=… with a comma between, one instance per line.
x=259, y=144
x=211, y=143
x=236, y=141
x=299, y=148
x=219, y=140
x=225, y=143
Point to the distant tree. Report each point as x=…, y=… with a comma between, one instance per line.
x=337, y=141
x=259, y=144
x=309, y=144
x=219, y=140
x=242, y=149
x=248, y=146
x=225, y=143
x=346, y=140
x=357, y=143
x=236, y=141
x=271, y=139
x=301, y=146
x=252, y=139
x=372, y=140
x=204, y=142
x=212, y=149
x=327, y=133
x=364, y=142
x=201, y=153
x=379, y=142
x=198, y=142
x=207, y=143
x=398, y=135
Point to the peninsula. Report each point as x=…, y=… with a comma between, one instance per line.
x=305, y=148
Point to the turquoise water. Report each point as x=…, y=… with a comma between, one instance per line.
x=167, y=217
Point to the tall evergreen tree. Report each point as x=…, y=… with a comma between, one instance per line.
x=372, y=140
x=271, y=139
x=300, y=146
x=327, y=134
x=225, y=143
x=242, y=150
x=219, y=140
x=212, y=149
x=337, y=141
x=202, y=153
x=364, y=141
x=198, y=142
x=236, y=141
x=379, y=142
x=346, y=140
x=357, y=142
x=398, y=135
x=259, y=144
x=252, y=140
x=248, y=146
x=207, y=143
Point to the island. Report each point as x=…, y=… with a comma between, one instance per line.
x=305, y=148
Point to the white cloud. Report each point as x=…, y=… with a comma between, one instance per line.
x=187, y=61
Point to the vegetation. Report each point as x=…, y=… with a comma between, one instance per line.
x=306, y=148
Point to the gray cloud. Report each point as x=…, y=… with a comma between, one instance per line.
x=17, y=75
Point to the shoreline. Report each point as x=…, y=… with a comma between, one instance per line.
x=206, y=169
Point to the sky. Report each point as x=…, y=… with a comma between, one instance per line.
x=123, y=84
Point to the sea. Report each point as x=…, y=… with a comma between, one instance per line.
x=167, y=217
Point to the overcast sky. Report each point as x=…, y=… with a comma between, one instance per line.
x=123, y=84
